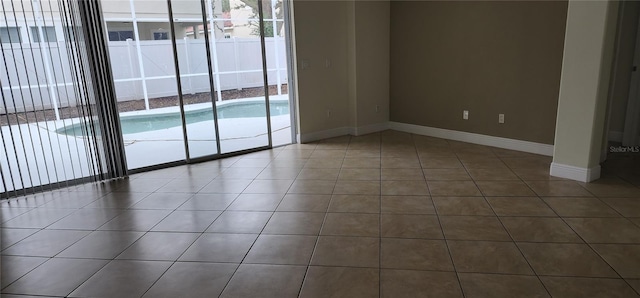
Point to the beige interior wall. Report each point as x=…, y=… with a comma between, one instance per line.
x=321, y=33
x=485, y=57
x=624, y=64
x=372, y=55
x=354, y=37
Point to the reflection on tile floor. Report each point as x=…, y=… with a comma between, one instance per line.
x=388, y=214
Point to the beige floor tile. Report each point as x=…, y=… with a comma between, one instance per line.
x=624, y=258
x=281, y=249
x=348, y=187
x=45, y=243
x=360, y=153
x=612, y=187
x=351, y=224
x=404, y=188
x=528, y=162
x=162, y=200
x=500, y=285
x=415, y=254
x=187, y=221
x=359, y=174
x=282, y=169
x=635, y=283
x=223, y=248
x=629, y=207
x=488, y=257
x=580, y=207
x=354, y=252
x=159, y=246
x=412, y=283
x=328, y=154
x=520, y=206
x=355, y=203
x=605, y=230
x=323, y=164
x=268, y=186
x=535, y=174
x=402, y=174
x=477, y=162
x=55, y=277
x=473, y=228
x=122, y=279
x=294, y=223
x=306, y=203
x=565, y=260
x=441, y=163
x=312, y=187
x=453, y=188
x=539, y=229
x=14, y=267
x=188, y=279
x=240, y=222
x=319, y=174
x=256, y=202
x=252, y=280
x=400, y=162
x=446, y=174
x=407, y=205
x=558, y=189
x=462, y=206
x=361, y=163
x=410, y=226
x=504, y=189
x=341, y=282
x=208, y=202
x=492, y=174
x=230, y=186
x=240, y=173
x=575, y=287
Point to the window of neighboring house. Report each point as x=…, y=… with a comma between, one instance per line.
x=48, y=32
x=10, y=34
x=120, y=35
x=160, y=35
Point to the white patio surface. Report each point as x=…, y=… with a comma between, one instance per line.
x=54, y=157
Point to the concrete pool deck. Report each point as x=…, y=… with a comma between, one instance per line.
x=64, y=158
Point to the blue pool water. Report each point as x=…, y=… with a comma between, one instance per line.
x=142, y=123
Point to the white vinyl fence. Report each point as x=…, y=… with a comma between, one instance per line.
x=238, y=59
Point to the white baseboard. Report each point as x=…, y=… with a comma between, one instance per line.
x=371, y=128
x=575, y=173
x=616, y=136
x=525, y=146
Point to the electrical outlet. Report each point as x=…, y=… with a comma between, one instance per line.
x=465, y=115
x=500, y=118
x=377, y=108
x=328, y=113
x=305, y=63
x=327, y=63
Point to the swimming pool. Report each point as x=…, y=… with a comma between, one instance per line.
x=157, y=121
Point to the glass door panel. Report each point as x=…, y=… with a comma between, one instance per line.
x=142, y=62
x=278, y=74
x=241, y=101
x=193, y=63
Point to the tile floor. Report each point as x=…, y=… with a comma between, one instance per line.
x=388, y=214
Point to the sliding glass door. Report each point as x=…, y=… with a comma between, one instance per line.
x=198, y=78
